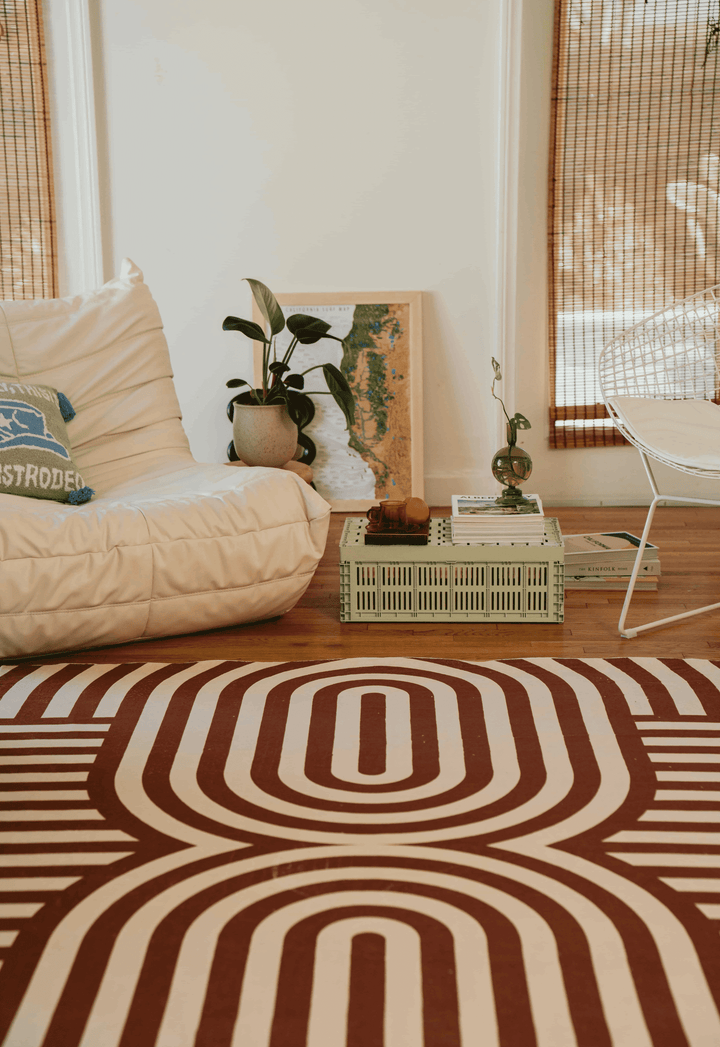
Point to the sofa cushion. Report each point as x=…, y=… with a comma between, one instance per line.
x=185, y=548
x=107, y=351
x=36, y=459
x=684, y=432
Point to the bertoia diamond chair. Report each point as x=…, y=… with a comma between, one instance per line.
x=661, y=384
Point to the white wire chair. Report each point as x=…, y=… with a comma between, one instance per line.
x=659, y=379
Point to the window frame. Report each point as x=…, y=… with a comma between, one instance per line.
x=583, y=424
x=72, y=91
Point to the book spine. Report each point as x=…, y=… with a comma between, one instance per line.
x=579, y=570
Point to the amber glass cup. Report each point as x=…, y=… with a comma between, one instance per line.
x=390, y=514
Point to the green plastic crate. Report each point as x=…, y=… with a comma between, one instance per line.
x=442, y=582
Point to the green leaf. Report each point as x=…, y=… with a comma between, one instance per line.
x=301, y=322
x=300, y=408
x=295, y=381
x=235, y=382
x=342, y=394
x=520, y=421
x=247, y=327
x=309, y=329
x=268, y=306
x=278, y=368
x=496, y=368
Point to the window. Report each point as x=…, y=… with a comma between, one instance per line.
x=27, y=218
x=635, y=176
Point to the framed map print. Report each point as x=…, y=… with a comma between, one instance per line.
x=381, y=456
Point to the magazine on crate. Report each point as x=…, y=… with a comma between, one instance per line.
x=476, y=508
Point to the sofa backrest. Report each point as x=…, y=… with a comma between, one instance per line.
x=106, y=351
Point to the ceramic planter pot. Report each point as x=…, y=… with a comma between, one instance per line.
x=264, y=435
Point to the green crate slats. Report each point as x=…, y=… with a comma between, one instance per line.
x=446, y=582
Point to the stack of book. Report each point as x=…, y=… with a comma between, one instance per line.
x=605, y=561
x=478, y=520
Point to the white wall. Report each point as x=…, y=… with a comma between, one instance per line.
x=344, y=145
x=333, y=145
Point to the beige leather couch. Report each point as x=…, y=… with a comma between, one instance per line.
x=167, y=545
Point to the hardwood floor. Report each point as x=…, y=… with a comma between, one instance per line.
x=690, y=556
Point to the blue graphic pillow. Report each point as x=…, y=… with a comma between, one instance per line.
x=35, y=456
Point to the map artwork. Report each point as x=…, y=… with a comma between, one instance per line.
x=373, y=459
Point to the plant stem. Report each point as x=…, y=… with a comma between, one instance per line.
x=290, y=350
x=492, y=390
x=265, y=362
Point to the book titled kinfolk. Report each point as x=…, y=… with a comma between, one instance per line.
x=621, y=568
x=611, y=583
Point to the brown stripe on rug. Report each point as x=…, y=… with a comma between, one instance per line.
x=360, y=853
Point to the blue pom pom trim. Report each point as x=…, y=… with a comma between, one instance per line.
x=66, y=408
x=83, y=495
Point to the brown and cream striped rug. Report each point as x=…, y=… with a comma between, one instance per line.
x=361, y=853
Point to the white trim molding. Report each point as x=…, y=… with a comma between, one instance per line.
x=75, y=149
x=508, y=160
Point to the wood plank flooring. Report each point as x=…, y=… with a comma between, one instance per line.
x=689, y=541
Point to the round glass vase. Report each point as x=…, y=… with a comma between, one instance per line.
x=511, y=466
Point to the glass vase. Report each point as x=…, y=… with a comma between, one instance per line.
x=511, y=466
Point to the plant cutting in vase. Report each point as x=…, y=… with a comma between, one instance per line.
x=278, y=385
x=510, y=465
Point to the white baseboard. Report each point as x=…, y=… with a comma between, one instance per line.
x=594, y=503
x=440, y=488
x=636, y=502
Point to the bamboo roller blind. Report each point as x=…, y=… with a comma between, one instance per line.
x=634, y=181
x=27, y=211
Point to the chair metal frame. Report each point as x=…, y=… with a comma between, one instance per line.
x=672, y=355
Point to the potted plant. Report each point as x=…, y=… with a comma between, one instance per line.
x=267, y=420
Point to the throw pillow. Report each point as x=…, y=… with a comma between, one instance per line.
x=35, y=455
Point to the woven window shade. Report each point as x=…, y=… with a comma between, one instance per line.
x=635, y=174
x=28, y=262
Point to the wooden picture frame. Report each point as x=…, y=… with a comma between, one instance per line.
x=382, y=456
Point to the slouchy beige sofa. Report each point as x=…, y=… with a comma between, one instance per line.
x=167, y=545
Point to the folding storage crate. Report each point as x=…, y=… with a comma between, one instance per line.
x=442, y=582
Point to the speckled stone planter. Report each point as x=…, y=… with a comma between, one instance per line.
x=264, y=435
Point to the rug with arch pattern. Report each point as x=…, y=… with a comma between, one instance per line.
x=365, y=852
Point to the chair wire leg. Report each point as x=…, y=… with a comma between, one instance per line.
x=628, y=634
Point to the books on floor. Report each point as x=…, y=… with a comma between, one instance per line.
x=610, y=583
x=605, y=561
x=603, y=548
x=477, y=519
